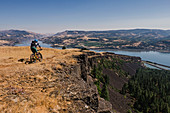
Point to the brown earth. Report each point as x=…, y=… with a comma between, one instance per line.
x=32, y=88
x=119, y=102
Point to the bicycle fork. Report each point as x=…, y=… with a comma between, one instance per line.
x=36, y=56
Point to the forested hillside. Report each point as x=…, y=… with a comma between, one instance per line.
x=110, y=72
x=151, y=90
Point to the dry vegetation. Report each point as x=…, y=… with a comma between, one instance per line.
x=2, y=42
x=33, y=88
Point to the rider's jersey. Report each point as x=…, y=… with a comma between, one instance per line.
x=35, y=44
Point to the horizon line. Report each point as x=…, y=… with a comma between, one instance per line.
x=85, y=30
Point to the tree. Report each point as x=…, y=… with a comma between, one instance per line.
x=150, y=88
x=105, y=92
x=64, y=47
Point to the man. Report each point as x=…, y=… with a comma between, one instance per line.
x=34, y=45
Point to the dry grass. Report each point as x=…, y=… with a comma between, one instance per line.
x=2, y=42
x=33, y=78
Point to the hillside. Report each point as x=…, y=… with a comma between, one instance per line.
x=12, y=37
x=141, y=39
x=62, y=82
x=150, y=90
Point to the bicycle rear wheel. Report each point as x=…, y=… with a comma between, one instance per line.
x=32, y=58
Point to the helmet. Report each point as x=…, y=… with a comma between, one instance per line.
x=35, y=40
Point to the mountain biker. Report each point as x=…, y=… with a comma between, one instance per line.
x=34, y=45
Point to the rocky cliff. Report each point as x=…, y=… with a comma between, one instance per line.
x=118, y=69
x=62, y=82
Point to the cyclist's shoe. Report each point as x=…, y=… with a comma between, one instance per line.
x=40, y=59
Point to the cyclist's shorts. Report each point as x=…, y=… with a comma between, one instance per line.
x=34, y=50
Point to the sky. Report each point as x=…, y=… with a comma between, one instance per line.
x=52, y=16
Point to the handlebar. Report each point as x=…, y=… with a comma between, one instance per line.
x=39, y=50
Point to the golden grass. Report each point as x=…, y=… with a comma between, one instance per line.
x=32, y=78
x=58, y=66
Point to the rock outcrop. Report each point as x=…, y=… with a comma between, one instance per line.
x=88, y=60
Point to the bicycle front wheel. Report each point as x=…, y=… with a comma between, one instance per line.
x=39, y=55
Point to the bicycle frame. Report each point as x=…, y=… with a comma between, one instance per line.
x=36, y=56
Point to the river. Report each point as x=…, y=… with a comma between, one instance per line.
x=154, y=56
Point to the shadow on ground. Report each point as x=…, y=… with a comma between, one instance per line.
x=27, y=61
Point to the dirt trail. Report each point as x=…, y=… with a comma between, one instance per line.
x=34, y=88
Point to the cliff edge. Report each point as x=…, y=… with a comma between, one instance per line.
x=53, y=85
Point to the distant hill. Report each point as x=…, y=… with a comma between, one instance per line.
x=11, y=37
x=110, y=33
x=145, y=39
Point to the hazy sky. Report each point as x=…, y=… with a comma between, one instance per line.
x=51, y=16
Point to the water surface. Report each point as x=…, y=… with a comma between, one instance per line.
x=28, y=43
x=153, y=56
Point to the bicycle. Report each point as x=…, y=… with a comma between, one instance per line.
x=38, y=56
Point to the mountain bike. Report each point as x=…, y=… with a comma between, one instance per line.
x=36, y=57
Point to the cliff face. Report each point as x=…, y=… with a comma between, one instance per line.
x=116, y=77
x=80, y=88
x=62, y=82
